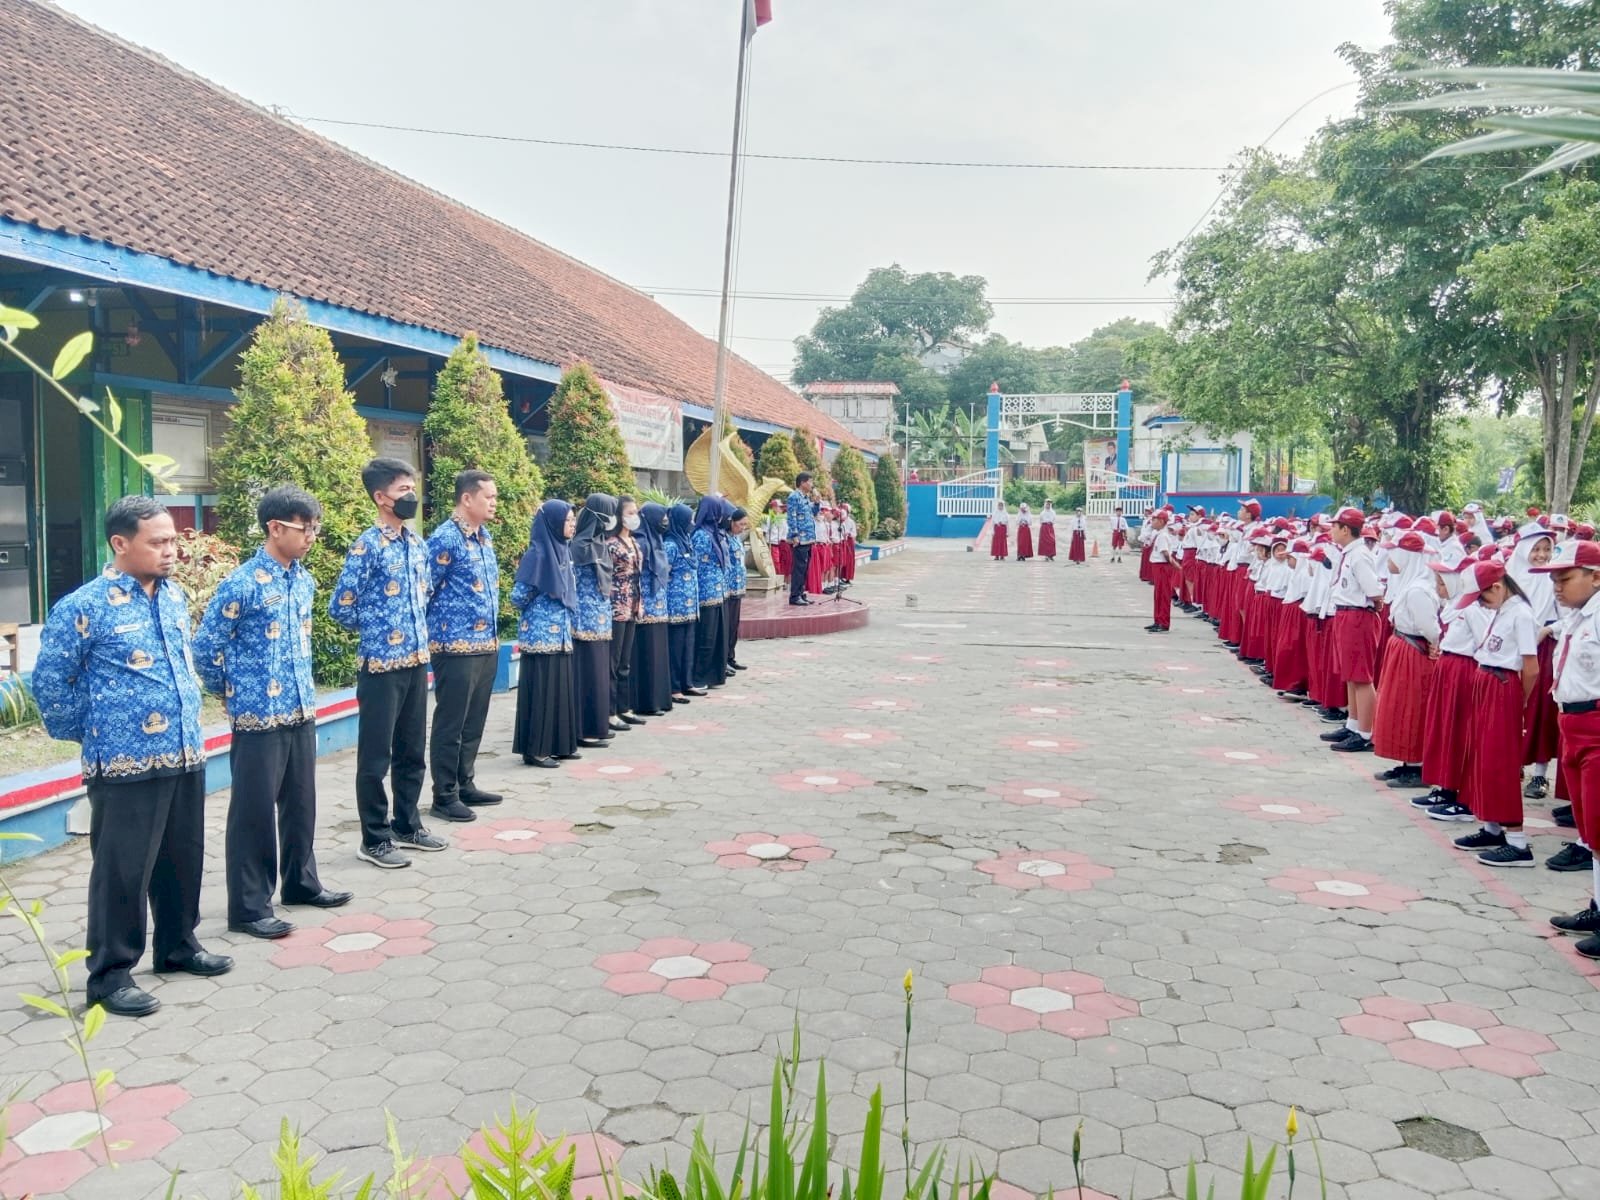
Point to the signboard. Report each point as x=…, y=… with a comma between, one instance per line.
x=652, y=428
x=1508, y=477
x=184, y=435
x=1099, y=456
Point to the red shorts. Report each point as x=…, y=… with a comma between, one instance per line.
x=1356, y=632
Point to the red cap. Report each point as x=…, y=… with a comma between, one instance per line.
x=1572, y=554
x=1350, y=516
x=1485, y=574
x=1583, y=531
x=1533, y=510
x=1426, y=525
x=1411, y=540
x=1488, y=553
x=1447, y=518
x=1254, y=506
x=1440, y=567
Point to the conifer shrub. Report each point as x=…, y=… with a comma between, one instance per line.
x=777, y=460
x=586, y=449
x=890, y=496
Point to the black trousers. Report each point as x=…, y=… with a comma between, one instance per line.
x=147, y=840
x=622, y=667
x=462, y=686
x=797, y=573
x=732, y=607
x=272, y=820
x=710, y=648
x=393, y=730
x=680, y=654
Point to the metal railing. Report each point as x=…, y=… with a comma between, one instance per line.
x=972, y=495
x=1104, y=490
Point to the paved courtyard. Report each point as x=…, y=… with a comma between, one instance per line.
x=1133, y=889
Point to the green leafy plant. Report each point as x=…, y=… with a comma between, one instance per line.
x=586, y=449
x=889, y=494
x=296, y=423
x=852, y=484
x=777, y=460
x=17, y=705
x=204, y=561
x=804, y=443
x=470, y=429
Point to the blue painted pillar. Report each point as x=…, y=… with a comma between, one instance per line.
x=991, y=444
x=1124, y=426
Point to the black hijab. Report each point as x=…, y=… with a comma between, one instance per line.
x=680, y=523
x=709, y=516
x=652, y=525
x=595, y=519
x=546, y=565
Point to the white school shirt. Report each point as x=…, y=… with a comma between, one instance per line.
x=1118, y=521
x=1415, y=609
x=1355, y=581
x=1462, y=628
x=1577, y=660
x=1047, y=516
x=1167, y=548
x=1078, y=524
x=850, y=528
x=1508, y=635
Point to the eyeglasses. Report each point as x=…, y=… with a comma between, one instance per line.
x=308, y=530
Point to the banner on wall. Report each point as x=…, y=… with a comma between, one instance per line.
x=652, y=428
x=1099, y=455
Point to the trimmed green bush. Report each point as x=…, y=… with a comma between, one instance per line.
x=777, y=460
x=586, y=449
x=296, y=423
x=853, y=486
x=805, y=451
x=470, y=429
x=890, y=496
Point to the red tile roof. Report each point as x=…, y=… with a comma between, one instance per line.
x=104, y=140
x=850, y=388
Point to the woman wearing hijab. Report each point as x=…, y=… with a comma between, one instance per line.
x=545, y=596
x=591, y=629
x=1535, y=548
x=683, y=602
x=1024, y=533
x=711, y=569
x=627, y=560
x=1047, y=531
x=652, y=672
x=733, y=606
x=1080, y=530
x=997, y=536
x=1399, y=726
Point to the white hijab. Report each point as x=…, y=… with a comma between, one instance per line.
x=1535, y=585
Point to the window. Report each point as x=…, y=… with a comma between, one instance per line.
x=187, y=435
x=1202, y=471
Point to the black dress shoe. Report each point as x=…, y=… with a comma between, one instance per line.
x=680, y=699
x=634, y=719
x=474, y=798
x=200, y=962
x=542, y=761
x=568, y=757
x=694, y=691
x=592, y=743
x=326, y=898
x=618, y=725
x=128, y=1002
x=267, y=928
x=736, y=666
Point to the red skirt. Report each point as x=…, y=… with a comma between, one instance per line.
x=1146, y=575
x=1580, y=767
x=1448, y=722
x=1316, y=661
x=1356, y=632
x=1047, y=539
x=1024, y=543
x=1398, y=728
x=1292, y=672
x=1493, y=788
x=997, y=541
x=847, y=558
x=1539, y=721
x=1075, y=553
x=819, y=567
x=1119, y=539
x=1255, y=618
x=1271, y=620
x=782, y=557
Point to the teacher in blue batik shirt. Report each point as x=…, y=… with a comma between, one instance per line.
x=114, y=673
x=254, y=650
x=464, y=643
x=802, y=513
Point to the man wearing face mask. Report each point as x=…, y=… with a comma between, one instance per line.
x=382, y=594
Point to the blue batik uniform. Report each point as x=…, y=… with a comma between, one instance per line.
x=653, y=600
x=464, y=612
x=593, y=620
x=736, y=574
x=544, y=625
x=382, y=594
x=254, y=644
x=683, y=585
x=713, y=587
x=115, y=674
x=802, y=518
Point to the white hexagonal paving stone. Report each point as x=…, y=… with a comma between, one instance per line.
x=1042, y=743
x=1444, y=1033
x=682, y=966
x=349, y=943
x=1240, y=755
x=616, y=769
x=516, y=835
x=768, y=851
x=1042, y=793
x=1041, y=1000
x=856, y=735
x=1041, y=868
x=1281, y=810
x=61, y=1132
x=820, y=780
x=1342, y=887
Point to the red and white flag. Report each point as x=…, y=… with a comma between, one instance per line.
x=756, y=14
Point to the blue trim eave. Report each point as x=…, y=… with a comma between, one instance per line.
x=115, y=264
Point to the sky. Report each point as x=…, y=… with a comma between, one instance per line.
x=1166, y=83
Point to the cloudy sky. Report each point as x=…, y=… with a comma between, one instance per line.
x=1168, y=83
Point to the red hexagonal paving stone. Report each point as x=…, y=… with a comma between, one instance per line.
x=1345, y=889
x=820, y=779
x=1445, y=1036
x=353, y=942
x=774, y=851
x=513, y=835
x=1270, y=808
x=444, y=1177
x=1039, y=743
x=1062, y=870
x=858, y=735
x=613, y=770
x=1013, y=999
x=1027, y=792
x=885, y=704
x=46, y=1151
x=680, y=968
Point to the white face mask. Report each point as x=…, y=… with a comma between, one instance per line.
x=631, y=522
x=611, y=523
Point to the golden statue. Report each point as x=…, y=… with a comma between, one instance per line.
x=739, y=488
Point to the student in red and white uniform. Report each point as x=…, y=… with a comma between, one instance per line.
x=1189, y=549
x=847, y=545
x=1291, y=674
x=1166, y=555
x=1024, y=525
x=1399, y=722
x=1507, y=655
x=1147, y=539
x=1575, y=574
x=1534, y=548
x=1080, y=533
x=997, y=535
x=1047, y=531
x=1448, y=725
x=1357, y=629
x=1119, y=536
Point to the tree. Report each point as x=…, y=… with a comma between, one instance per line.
x=891, y=497
x=809, y=457
x=746, y=455
x=777, y=460
x=853, y=486
x=295, y=423
x=586, y=448
x=470, y=429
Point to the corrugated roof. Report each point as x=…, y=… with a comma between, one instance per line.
x=107, y=141
x=850, y=388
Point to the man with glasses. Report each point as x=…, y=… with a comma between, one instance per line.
x=254, y=650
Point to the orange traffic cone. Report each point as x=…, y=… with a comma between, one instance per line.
x=1094, y=548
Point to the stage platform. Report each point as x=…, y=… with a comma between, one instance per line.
x=772, y=616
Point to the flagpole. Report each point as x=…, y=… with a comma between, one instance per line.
x=720, y=388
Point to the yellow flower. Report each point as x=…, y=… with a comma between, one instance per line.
x=907, y=984
x=1292, y=1126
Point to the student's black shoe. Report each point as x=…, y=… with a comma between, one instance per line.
x=1152, y=627
x=1292, y=697
x=680, y=699
x=1579, y=924
x=568, y=757
x=1231, y=645
x=544, y=761
x=1571, y=857
x=694, y=691
x=1404, y=776
x=1507, y=856
x=1353, y=745
x=1452, y=813
x=1562, y=816
x=1256, y=665
x=1393, y=772
x=1589, y=947
x=1407, y=782
x=1437, y=796
x=1162, y=629
x=1333, y=714
x=1536, y=788
x=592, y=743
x=618, y=725
x=1482, y=840
x=1337, y=735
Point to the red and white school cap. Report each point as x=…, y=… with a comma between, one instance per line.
x=1350, y=516
x=1411, y=540
x=1485, y=574
x=1572, y=554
